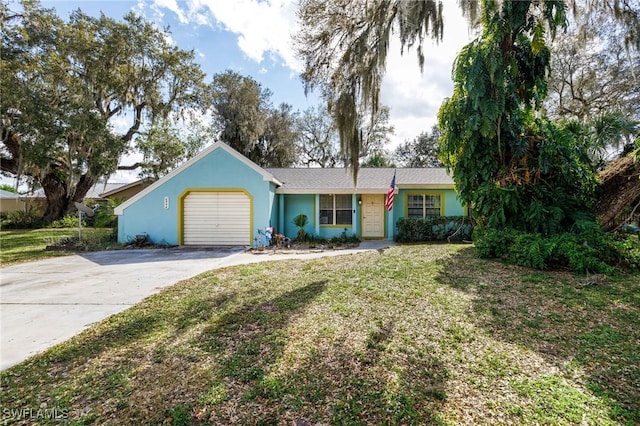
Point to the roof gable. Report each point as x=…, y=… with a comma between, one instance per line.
x=184, y=166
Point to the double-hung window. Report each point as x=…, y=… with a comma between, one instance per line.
x=335, y=209
x=424, y=205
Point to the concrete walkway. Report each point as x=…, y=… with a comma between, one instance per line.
x=46, y=302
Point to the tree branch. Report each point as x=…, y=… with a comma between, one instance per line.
x=130, y=167
x=136, y=123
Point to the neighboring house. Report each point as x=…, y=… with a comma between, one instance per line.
x=97, y=194
x=10, y=202
x=123, y=191
x=220, y=197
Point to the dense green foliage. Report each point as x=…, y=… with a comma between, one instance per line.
x=529, y=182
x=105, y=217
x=22, y=219
x=68, y=221
x=445, y=228
x=586, y=250
x=164, y=146
x=513, y=167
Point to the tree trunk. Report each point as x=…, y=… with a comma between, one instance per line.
x=59, y=199
x=620, y=189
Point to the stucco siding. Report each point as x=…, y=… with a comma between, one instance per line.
x=295, y=204
x=452, y=205
x=219, y=170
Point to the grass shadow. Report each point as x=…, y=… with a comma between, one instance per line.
x=259, y=329
x=589, y=333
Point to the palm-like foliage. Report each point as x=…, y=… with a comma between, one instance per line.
x=301, y=221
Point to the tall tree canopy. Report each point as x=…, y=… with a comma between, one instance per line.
x=594, y=91
x=511, y=165
x=64, y=84
x=165, y=146
x=317, y=143
x=277, y=144
x=422, y=151
x=249, y=123
x=240, y=106
x=375, y=136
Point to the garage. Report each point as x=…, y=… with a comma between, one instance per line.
x=217, y=218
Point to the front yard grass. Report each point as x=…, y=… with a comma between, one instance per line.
x=421, y=334
x=22, y=245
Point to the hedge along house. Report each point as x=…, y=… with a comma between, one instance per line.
x=220, y=197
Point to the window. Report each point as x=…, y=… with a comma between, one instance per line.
x=424, y=205
x=335, y=209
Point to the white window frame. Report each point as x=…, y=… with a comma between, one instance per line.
x=427, y=206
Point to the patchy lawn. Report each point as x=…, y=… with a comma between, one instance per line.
x=22, y=245
x=424, y=334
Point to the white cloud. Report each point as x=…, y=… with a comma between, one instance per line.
x=172, y=5
x=262, y=26
x=414, y=97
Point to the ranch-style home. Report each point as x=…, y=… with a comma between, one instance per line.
x=220, y=197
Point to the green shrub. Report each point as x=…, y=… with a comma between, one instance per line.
x=343, y=238
x=105, y=218
x=68, y=221
x=587, y=249
x=22, y=220
x=629, y=248
x=531, y=250
x=493, y=243
x=445, y=228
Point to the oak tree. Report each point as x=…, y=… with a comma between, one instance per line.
x=66, y=84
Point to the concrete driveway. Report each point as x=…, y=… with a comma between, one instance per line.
x=46, y=302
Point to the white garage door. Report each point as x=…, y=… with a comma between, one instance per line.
x=217, y=218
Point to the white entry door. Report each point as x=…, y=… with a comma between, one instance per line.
x=373, y=216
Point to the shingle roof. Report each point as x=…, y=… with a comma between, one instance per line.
x=372, y=180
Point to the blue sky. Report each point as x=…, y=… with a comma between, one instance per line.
x=253, y=38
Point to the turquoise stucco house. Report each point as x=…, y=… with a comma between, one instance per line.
x=220, y=197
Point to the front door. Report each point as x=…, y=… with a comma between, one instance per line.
x=373, y=216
